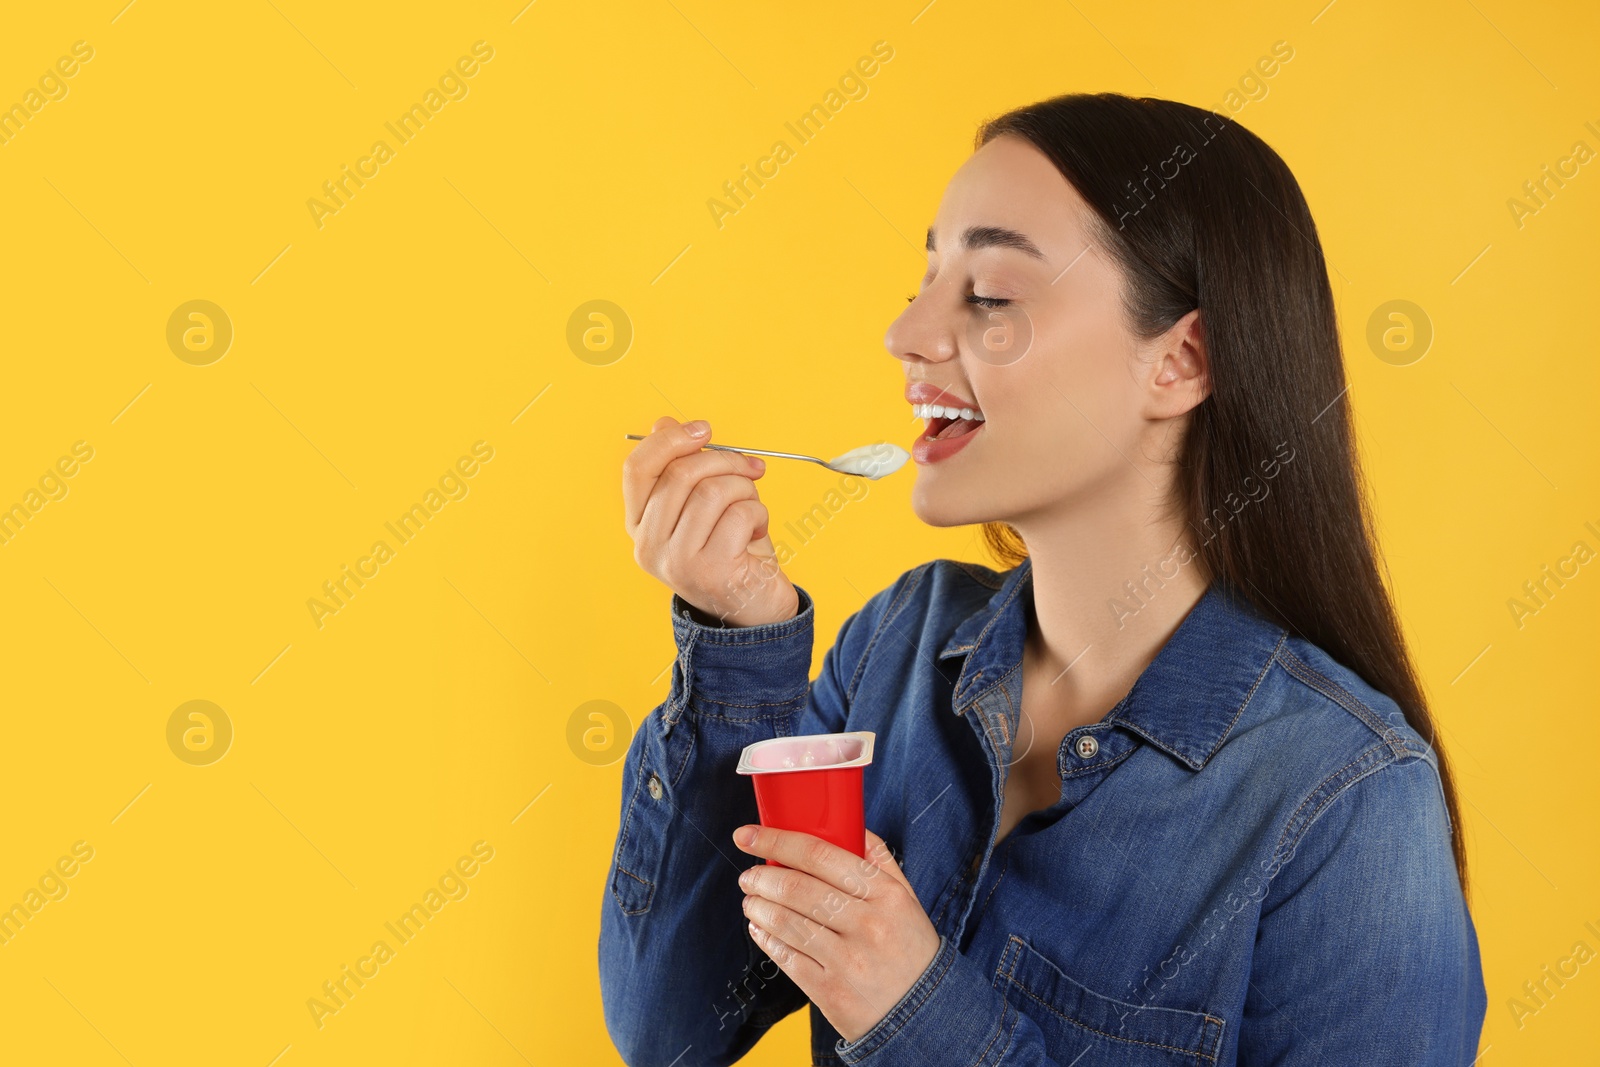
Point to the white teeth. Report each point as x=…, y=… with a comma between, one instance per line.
x=940, y=411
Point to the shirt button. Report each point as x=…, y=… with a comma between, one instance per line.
x=1087, y=746
x=654, y=785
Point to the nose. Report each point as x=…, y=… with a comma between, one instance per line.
x=921, y=333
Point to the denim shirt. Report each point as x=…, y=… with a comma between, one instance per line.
x=1250, y=863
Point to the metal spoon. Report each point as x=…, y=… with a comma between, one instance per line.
x=870, y=461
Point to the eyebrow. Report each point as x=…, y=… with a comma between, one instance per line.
x=976, y=237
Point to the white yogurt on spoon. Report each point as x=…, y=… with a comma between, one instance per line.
x=871, y=461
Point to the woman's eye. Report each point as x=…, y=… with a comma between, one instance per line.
x=981, y=301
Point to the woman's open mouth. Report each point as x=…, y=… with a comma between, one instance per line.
x=947, y=431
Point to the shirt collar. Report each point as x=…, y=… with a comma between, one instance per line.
x=1185, y=702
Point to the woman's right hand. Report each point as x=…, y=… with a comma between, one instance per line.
x=699, y=526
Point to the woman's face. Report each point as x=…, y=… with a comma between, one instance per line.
x=1069, y=398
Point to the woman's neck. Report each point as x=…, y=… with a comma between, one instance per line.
x=1109, y=589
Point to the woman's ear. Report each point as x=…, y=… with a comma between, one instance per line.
x=1178, y=376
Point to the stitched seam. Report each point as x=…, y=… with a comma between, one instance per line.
x=1016, y=1017
x=1334, y=691
x=1336, y=795
x=627, y=821
x=943, y=902
x=1115, y=1037
x=1310, y=676
x=683, y=764
x=1321, y=786
x=734, y=636
x=999, y=1031
x=888, y=616
x=691, y=636
x=989, y=581
x=1011, y=977
x=742, y=642
x=970, y=700
x=1216, y=1038
x=952, y=891
x=684, y=663
x=904, y=1014
x=947, y=897
x=999, y=611
x=1265, y=667
x=984, y=721
x=1004, y=868
x=705, y=702
x=1100, y=765
x=1003, y=721
x=649, y=894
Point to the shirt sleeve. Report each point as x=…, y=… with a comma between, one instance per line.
x=678, y=970
x=1365, y=951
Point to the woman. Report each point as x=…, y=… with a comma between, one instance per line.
x=1164, y=791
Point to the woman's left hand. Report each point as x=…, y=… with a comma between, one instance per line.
x=849, y=931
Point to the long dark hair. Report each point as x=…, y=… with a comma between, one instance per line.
x=1200, y=213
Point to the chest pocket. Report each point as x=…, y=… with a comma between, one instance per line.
x=1076, y=1020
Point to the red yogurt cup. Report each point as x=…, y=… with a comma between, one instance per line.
x=812, y=783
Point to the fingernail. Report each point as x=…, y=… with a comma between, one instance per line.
x=758, y=463
x=698, y=428
x=744, y=835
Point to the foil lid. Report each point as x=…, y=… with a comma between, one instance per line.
x=808, y=752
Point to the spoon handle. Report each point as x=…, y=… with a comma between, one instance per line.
x=749, y=451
